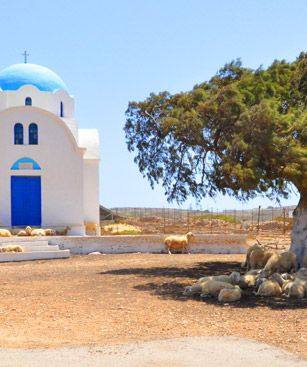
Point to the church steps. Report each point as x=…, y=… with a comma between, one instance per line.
x=34, y=255
x=35, y=248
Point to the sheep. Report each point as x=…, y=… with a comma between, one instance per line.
x=277, y=278
x=269, y=288
x=230, y=295
x=5, y=233
x=288, y=262
x=272, y=266
x=246, y=263
x=235, y=277
x=12, y=248
x=28, y=230
x=294, y=289
x=218, y=278
x=247, y=281
x=259, y=258
x=213, y=287
x=50, y=232
x=287, y=276
x=209, y=287
x=178, y=242
x=38, y=232
x=22, y=233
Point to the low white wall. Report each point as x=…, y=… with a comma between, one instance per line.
x=210, y=244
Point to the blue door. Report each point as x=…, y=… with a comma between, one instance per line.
x=26, y=201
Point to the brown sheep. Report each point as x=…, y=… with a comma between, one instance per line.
x=272, y=266
x=246, y=263
x=12, y=248
x=230, y=295
x=294, y=289
x=213, y=288
x=269, y=288
x=38, y=232
x=22, y=233
x=259, y=258
x=50, y=232
x=178, y=242
x=209, y=287
x=5, y=233
x=288, y=262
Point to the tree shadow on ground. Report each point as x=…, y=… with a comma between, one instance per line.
x=181, y=277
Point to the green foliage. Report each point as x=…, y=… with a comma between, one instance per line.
x=244, y=133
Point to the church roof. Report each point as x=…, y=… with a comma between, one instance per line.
x=15, y=76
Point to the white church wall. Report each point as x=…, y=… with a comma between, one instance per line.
x=48, y=101
x=61, y=163
x=91, y=192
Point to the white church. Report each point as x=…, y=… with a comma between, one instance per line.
x=49, y=168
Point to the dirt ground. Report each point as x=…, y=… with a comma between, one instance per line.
x=110, y=299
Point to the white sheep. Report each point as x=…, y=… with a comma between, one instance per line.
x=178, y=242
x=230, y=295
x=247, y=281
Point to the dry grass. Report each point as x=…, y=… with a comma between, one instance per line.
x=121, y=229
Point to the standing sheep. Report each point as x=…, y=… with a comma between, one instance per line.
x=178, y=242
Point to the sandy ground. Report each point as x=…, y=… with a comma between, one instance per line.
x=100, y=300
x=182, y=352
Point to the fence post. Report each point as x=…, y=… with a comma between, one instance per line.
x=188, y=220
x=163, y=220
x=284, y=221
x=258, y=225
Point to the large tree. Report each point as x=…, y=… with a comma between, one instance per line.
x=243, y=133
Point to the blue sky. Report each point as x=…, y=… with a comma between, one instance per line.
x=111, y=52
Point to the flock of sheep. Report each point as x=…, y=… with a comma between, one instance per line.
x=269, y=274
x=28, y=231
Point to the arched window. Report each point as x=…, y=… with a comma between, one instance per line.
x=33, y=134
x=62, y=109
x=28, y=101
x=18, y=134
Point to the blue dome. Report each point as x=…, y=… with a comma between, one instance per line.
x=17, y=75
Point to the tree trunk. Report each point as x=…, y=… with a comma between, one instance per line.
x=299, y=231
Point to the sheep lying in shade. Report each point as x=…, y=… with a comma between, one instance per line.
x=210, y=287
x=230, y=295
x=5, y=233
x=269, y=288
x=12, y=248
x=178, y=242
x=283, y=262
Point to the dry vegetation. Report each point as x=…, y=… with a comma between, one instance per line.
x=107, y=299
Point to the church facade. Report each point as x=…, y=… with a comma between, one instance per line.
x=49, y=168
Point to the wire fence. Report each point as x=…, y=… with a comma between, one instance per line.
x=168, y=220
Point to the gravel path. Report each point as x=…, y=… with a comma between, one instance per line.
x=182, y=352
